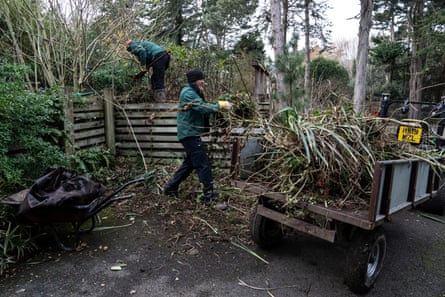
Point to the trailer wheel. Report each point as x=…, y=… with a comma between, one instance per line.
x=265, y=232
x=365, y=260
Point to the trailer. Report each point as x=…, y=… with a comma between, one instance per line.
x=397, y=185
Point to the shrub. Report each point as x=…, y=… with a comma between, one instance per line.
x=329, y=80
x=15, y=240
x=28, y=129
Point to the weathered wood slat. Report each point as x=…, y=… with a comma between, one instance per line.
x=149, y=137
x=146, y=130
x=88, y=142
x=89, y=115
x=145, y=113
x=150, y=145
x=88, y=125
x=89, y=133
x=149, y=106
x=154, y=154
x=89, y=108
x=145, y=122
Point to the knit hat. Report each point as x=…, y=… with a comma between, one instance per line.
x=194, y=75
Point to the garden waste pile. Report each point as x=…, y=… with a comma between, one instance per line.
x=329, y=157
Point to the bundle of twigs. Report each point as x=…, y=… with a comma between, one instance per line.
x=327, y=157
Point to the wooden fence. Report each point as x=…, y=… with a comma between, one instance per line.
x=136, y=129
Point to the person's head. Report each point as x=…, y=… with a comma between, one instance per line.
x=127, y=45
x=195, y=76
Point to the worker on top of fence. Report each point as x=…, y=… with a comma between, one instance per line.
x=149, y=54
x=192, y=122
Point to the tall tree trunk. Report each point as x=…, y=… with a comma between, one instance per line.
x=278, y=43
x=362, y=54
x=307, y=71
x=416, y=65
x=285, y=18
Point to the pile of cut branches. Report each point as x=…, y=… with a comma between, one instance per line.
x=328, y=157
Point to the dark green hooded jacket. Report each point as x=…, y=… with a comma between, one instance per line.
x=145, y=51
x=193, y=121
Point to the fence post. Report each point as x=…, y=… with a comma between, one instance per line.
x=109, y=120
x=69, y=123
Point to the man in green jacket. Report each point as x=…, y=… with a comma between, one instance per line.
x=149, y=54
x=192, y=122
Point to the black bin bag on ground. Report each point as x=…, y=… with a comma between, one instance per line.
x=60, y=196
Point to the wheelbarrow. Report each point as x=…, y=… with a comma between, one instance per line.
x=61, y=197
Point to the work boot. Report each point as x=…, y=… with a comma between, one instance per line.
x=171, y=192
x=159, y=95
x=211, y=200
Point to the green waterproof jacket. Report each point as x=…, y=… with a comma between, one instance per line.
x=193, y=117
x=145, y=51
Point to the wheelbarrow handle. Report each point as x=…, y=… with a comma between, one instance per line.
x=140, y=179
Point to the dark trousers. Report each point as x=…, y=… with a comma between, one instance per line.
x=196, y=158
x=162, y=61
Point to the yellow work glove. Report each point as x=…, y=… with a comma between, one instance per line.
x=143, y=68
x=224, y=104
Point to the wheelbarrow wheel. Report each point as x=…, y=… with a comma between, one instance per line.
x=365, y=260
x=265, y=232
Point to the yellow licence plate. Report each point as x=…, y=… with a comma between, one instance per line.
x=409, y=134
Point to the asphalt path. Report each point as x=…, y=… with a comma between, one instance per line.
x=156, y=261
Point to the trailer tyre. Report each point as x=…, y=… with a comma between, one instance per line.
x=365, y=261
x=265, y=232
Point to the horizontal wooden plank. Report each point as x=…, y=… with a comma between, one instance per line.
x=88, y=125
x=148, y=137
x=146, y=122
x=162, y=154
x=89, y=115
x=144, y=113
x=297, y=224
x=149, y=106
x=89, y=108
x=98, y=141
x=147, y=130
x=149, y=145
x=90, y=133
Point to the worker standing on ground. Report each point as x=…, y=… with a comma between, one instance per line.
x=149, y=54
x=192, y=122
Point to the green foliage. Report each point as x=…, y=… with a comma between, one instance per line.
x=251, y=43
x=386, y=51
x=329, y=81
x=94, y=161
x=112, y=75
x=291, y=65
x=28, y=129
x=327, y=69
x=15, y=240
x=388, y=67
